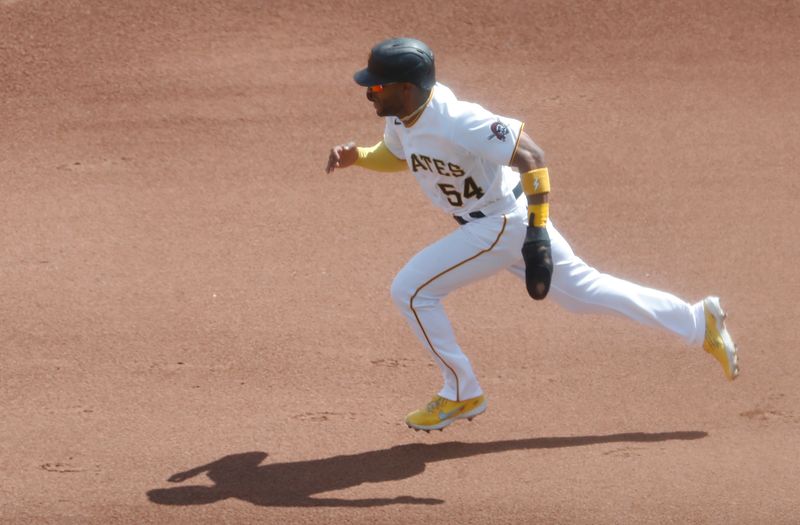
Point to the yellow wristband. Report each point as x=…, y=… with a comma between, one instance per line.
x=536, y=181
x=538, y=214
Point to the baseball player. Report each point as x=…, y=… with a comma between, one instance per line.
x=462, y=156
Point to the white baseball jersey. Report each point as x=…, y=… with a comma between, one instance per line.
x=459, y=152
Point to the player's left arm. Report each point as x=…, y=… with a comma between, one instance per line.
x=528, y=158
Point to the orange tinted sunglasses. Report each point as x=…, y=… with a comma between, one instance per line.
x=378, y=88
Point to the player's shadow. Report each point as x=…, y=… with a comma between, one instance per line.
x=293, y=484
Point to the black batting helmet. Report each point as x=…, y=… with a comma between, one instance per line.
x=399, y=60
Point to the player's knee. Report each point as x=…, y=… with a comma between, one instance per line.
x=408, y=294
x=402, y=292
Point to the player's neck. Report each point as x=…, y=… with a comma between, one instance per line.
x=415, y=106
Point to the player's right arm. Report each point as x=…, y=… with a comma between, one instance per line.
x=387, y=155
x=342, y=156
x=376, y=158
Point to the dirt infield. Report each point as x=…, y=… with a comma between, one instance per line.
x=195, y=320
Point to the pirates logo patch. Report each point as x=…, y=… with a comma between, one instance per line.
x=499, y=131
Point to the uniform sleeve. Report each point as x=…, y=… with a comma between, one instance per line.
x=392, y=141
x=491, y=137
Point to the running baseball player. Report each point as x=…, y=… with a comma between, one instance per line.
x=462, y=156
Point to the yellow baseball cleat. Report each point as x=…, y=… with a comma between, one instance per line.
x=718, y=341
x=441, y=412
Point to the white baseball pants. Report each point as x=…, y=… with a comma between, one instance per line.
x=487, y=245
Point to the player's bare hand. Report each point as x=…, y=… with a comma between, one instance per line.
x=341, y=156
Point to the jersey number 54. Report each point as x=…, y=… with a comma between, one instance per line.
x=471, y=190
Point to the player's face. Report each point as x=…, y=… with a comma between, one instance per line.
x=387, y=99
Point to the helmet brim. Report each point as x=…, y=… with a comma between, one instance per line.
x=367, y=78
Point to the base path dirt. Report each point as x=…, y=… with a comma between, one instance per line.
x=195, y=321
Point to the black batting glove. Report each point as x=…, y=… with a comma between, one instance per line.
x=538, y=262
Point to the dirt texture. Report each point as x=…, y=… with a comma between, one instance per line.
x=195, y=320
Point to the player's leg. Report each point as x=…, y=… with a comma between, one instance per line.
x=470, y=253
x=580, y=288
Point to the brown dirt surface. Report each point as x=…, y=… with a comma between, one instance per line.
x=195, y=320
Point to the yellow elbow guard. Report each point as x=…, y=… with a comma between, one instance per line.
x=537, y=182
x=379, y=158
